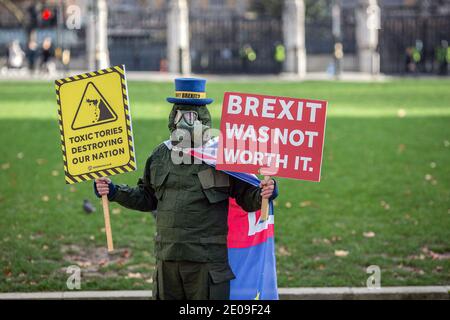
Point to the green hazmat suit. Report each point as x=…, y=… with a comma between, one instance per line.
x=191, y=205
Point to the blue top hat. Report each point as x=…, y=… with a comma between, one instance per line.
x=190, y=91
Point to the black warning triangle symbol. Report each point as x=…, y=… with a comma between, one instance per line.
x=93, y=109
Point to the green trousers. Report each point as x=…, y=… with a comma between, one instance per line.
x=185, y=280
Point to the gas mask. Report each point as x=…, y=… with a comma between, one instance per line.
x=189, y=126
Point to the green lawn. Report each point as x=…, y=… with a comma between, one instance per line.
x=384, y=196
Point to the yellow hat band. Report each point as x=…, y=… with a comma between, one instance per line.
x=190, y=95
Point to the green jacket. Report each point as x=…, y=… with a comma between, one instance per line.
x=191, y=204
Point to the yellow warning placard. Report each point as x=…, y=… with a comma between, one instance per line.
x=95, y=124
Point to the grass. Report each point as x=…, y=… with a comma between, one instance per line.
x=383, y=175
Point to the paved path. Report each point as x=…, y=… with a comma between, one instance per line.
x=154, y=76
x=20, y=75
x=23, y=74
x=342, y=293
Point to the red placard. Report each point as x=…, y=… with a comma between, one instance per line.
x=280, y=136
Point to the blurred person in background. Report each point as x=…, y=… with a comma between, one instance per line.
x=279, y=55
x=65, y=59
x=16, y=56
x=442, y=54
x=413, y=58
x=248, y=56
x=410, y=65
x=32, y=55
x=47, y=55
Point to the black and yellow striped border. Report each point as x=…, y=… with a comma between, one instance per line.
x=131, y=166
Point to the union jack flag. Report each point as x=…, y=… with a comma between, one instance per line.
x=251, y=246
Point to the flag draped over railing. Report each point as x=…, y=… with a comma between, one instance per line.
x=251, y=246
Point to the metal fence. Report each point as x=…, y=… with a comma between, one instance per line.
x=138, y=38
x=421, y=32
x=319, y=38
x=219, y=44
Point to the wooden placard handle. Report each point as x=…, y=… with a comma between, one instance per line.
x=109, y=238
x=265, y=204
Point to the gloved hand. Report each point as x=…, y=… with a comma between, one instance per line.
x=104, y=186
x=269, y=189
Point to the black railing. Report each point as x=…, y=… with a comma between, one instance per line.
x=422, y=34
x=234, y=44
x=137, y=38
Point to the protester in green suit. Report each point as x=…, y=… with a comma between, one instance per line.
x=191, y=205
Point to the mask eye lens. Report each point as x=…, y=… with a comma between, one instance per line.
x=178, y=117
x=190, y=117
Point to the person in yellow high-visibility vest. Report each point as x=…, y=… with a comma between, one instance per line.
x=248, y=55
x=280, y=55
x=442, y=55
